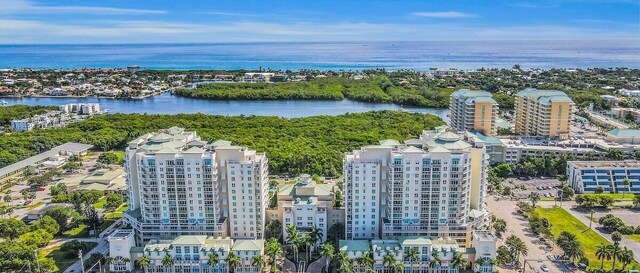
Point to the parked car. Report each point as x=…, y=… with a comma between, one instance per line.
x=544, y=268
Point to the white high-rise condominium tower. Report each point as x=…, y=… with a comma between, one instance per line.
x=433, y=186
x=179, y=185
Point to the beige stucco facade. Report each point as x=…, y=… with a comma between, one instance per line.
x=543, y=113
x=306, y=204
x=473, y=110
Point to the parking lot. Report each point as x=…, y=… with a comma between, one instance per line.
x=546, y=187
x=542, y=256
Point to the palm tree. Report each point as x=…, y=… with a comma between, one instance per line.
x=412, y=255
x=345, y=262
x=397, y=267
x=626, y=257
x=627, y=183
x=615, y=253
x=569, y=244
x=168, y=262
x=306, y=240
x=316, y=234
x=329, y=252
x=233, y=261
x=517, y=247
x=213, y=260
x=144, y=261
x=367, y=261
x=388, y=260
x=458, y=261
x=293, y=238
x=603, y=253
x=534, y=197
x=273, y=250
x=258, y=262
x=435, y=261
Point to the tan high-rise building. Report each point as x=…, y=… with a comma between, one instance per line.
x=473, y=110
x=543, y=113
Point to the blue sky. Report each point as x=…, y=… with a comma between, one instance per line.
x=169, y=21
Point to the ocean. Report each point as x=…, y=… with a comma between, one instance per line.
x=330, y=56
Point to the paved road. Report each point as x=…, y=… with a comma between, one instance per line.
x=517, y=225
x=102, y=247
x=317, y=265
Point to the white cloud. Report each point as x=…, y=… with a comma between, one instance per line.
x=443, y=14
x=145, y=31
x=21, y=7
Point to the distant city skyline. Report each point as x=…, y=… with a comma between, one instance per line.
x=120, y=21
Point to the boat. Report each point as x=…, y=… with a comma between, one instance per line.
x=4, y=103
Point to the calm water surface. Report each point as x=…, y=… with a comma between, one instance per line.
x=169, y=104
x=331, y=56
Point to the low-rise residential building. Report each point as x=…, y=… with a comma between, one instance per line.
x=81, y=108
x=120, y=244
x=188, y=253
x=429, y=251
x=624, y=136
x=626, y=113
x=610, y=176
x=306, y=205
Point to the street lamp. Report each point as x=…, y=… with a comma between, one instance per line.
x=81, y=260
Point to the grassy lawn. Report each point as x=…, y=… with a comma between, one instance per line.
x=117, y=214
x=62, y=262
x=34, y=205
x=616, y=196
x=82, y=231
x=561, y=220
x=635, y=237
x=100, y=204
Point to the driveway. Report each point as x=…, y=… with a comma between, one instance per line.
x=288, y=266
x=317, y=265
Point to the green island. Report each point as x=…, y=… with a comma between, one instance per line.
x=378, y=89
x=22, y=111
x=312, y=145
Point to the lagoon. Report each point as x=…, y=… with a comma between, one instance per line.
x=167, y=103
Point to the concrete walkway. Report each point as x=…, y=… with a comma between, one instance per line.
x=288, y=266
x=317, y=265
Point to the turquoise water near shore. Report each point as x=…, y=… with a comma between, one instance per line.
x=331, y=56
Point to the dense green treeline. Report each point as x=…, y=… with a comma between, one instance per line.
x=372, y=89
x=312, y=145
x=8, y=113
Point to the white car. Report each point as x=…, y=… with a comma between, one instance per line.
x=544, y=268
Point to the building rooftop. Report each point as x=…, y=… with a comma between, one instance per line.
x=625, y=132
x=354, y=245
x=605, y=164
x=544, y=96
x=189, y=240
x=248, y=245
x=74, y=148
